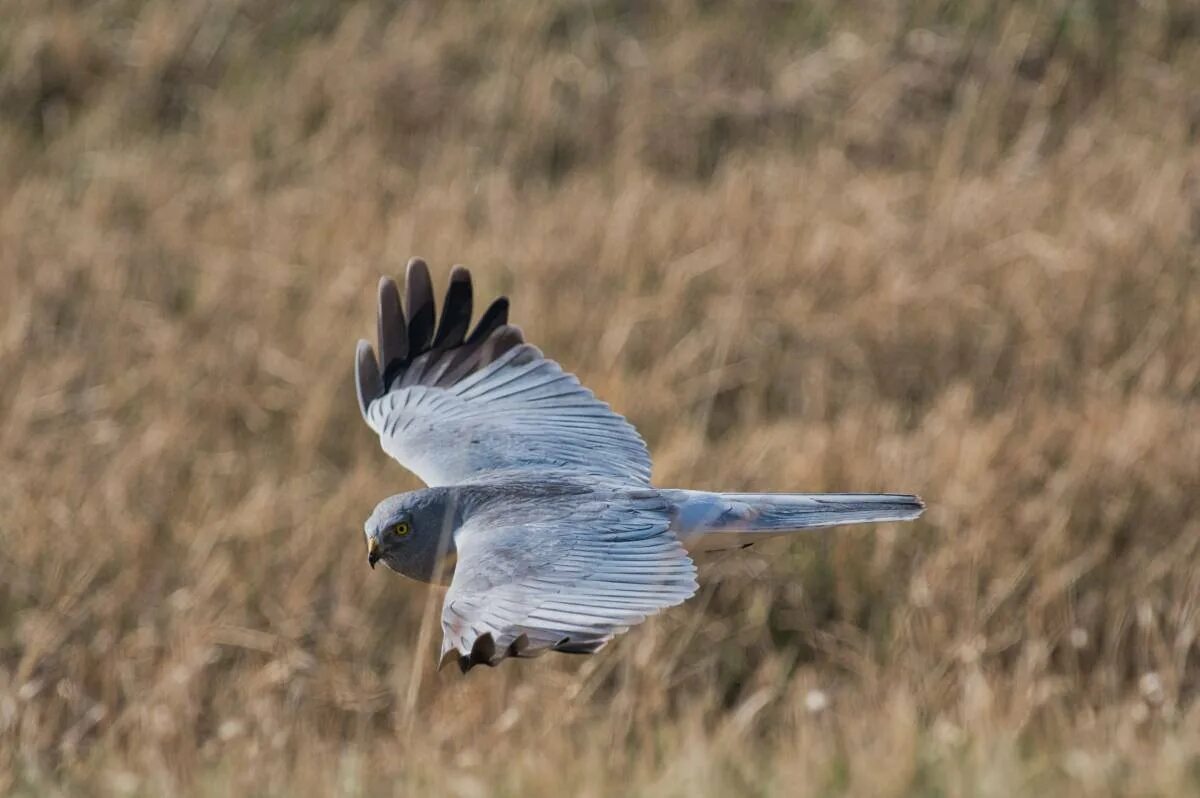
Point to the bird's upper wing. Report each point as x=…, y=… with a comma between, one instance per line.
x=453, y=406
x=538, y=572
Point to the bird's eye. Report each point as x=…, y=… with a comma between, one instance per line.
x=401, y=528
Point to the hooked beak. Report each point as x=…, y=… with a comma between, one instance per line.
x=372, y=553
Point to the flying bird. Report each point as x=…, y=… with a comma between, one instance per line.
x=540, y=514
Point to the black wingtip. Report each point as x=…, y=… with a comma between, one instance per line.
x=581, y=645
x=484, y=648
x=483, y=652
x=416, y=264
x=418, y=290
x=520, y=646
x=392, y=328
x=419, y=345
x=503, y=339
x=494, y=317
x=456, y=310
x=367, y=381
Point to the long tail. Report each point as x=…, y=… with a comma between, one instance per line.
x=713, y=521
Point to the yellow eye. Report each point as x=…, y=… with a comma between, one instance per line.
x=401, y=528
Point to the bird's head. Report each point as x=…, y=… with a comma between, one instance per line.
x=413, y=533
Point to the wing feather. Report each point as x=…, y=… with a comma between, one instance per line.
x=454, y=406
x=456, y=311
x=393, y=335
x=568, y=583
x=418, y=290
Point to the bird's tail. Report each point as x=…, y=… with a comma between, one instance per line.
x=713, y=521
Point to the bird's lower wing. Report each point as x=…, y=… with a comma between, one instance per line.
x=568, y=584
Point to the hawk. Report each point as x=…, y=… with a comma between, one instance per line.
x=539, y=510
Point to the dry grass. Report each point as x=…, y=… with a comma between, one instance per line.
x=945, y=247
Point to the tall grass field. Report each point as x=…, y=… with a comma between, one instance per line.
x=947, y=247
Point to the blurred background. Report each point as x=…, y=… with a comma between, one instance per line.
x=942, y=246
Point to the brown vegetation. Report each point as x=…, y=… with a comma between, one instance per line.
x=952, y=248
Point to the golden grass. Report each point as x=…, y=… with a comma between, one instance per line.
x=952, y=248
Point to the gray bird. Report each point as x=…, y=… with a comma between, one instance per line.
x=539, y=513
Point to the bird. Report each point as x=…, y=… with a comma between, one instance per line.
x=539, y=516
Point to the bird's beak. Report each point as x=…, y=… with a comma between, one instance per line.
x=372, y=553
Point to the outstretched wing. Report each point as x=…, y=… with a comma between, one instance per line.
x=453, y=407
x=567, y=581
